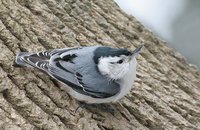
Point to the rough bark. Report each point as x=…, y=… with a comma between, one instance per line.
x=165, y=95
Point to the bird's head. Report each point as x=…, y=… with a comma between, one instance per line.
x=115, y=63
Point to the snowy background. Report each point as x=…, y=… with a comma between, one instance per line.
x=175, y=21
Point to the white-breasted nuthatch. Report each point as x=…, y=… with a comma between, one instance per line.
x=95, y=74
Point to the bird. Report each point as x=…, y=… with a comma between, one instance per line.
x=91, y=74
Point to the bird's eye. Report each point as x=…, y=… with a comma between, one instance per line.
x=120, y=61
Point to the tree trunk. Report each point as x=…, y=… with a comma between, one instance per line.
x=166, y=94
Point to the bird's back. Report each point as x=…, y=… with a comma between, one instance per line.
x=70, y=64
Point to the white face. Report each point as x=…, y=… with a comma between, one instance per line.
x=116, y=67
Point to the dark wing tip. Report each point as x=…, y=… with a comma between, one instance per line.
x=78, y=74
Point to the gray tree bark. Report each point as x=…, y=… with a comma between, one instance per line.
x=166, y=94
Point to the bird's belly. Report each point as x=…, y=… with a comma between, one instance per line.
x=125, y=88
x=87, y=99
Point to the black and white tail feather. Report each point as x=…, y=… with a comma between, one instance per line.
x=38, y=60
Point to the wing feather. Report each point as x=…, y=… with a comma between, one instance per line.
x=78, y=70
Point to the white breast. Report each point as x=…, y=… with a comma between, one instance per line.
x=128, y=80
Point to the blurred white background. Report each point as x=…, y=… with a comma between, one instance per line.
x=175, y=21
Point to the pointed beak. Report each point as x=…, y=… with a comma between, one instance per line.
x=136, y=52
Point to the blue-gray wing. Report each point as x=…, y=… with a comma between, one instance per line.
x=77, y=69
